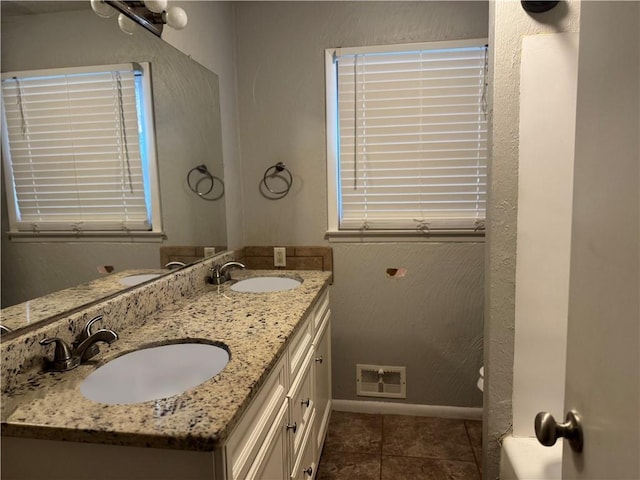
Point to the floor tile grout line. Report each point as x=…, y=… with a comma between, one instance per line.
x=473, y=450
x=381, y=444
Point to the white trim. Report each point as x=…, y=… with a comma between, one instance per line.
x=412, y=409
x=376, y=236
x=404, y=47
x=53, y=72
x=150, y=137
x=88, y=236
x=332, y=140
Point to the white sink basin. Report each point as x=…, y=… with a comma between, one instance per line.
x=154, y=373
x=265, y=284
x=132, y=280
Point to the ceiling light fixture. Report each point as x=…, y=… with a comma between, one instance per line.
x=151, y=14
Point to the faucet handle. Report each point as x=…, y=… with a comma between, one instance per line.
x=93, y=350
x=86, y=331
x=62, y=357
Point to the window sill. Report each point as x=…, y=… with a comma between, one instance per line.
x=373, y=236
x=88, y=236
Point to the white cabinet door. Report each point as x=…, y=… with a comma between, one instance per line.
x=301, y=404
x=272, y=460
x=322, y=365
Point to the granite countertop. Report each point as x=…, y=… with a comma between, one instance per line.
x=254, y=326
x=32, y=311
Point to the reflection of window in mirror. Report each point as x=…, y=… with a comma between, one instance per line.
x=79, y=151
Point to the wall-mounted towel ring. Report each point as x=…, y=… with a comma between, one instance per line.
x=205, y=184
x=280, y=171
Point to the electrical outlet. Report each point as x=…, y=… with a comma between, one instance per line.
x=279, y=256
x=209, y=251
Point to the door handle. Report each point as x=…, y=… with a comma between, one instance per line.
x=548, y=430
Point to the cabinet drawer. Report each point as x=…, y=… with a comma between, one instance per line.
x=301, y=403
x=248, y=436
x=299, y=348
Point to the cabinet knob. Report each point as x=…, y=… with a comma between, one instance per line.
x=308, y=471
x=293, y=427
x=319, y=359
x=306, y=402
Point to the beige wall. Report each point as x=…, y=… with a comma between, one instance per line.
x=508, y=23
x=210, y=40
x=430, y=321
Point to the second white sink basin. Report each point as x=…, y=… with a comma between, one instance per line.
x=154, y=373
x=265, y=284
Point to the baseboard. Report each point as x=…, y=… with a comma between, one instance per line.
x=389, y=408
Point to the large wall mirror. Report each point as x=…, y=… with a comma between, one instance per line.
x=42, y=35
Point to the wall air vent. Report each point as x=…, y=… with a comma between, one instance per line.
x=381, y=381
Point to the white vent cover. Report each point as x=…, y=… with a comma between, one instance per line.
x=381, y=381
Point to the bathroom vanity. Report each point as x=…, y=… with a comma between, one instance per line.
x=264, y=416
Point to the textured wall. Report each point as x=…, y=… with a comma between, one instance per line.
x=210, y=40
x=281, y=94
x=508, y=24
x=430, y=321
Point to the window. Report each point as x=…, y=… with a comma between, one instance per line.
x=79, y=151
x=407, y=137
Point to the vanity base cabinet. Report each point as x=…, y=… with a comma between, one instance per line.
x=279, y=436
x=291, y=450
x=35, y=459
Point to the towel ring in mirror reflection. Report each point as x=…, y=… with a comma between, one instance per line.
x=205, y=184
x=278, y=171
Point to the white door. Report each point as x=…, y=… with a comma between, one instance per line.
x=603, y=364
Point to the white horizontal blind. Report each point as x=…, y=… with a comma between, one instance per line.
x=412, y=138
x=74, y=150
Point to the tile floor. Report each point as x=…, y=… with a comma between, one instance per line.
x=362, y=446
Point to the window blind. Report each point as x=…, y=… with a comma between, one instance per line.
x=412, y=132
x=73, y=149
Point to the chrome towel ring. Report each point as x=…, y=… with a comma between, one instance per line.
x=280, y=171
x=209, y=181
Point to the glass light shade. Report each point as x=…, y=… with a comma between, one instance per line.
x=127, y=25
x=102, y=9
x=156, y=6
x=176, y=18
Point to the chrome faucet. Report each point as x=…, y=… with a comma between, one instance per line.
x=102, y=335
x=86, y=333
x=68, y=358
x=222, y=274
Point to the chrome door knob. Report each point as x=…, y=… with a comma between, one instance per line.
x=548, y=430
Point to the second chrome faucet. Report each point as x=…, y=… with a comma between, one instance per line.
x=84, y=347
x=222, y=274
